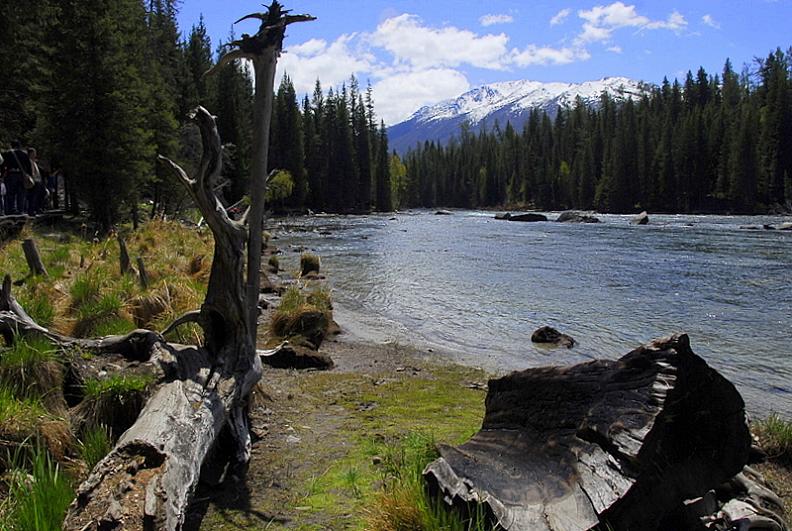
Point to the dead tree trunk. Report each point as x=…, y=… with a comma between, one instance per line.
x=33, y=258
x=142, y=273
x=619, y=444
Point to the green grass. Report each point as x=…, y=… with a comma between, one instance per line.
x=309, y=263
x=39, y=494
x=287, y=320
x=17, y=414
x=95, y=444
x=39, y=306
x=30, y=370
x=775, y=435
x=404, y=503
x=117, y=385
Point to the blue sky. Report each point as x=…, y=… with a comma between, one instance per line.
x=417, y=53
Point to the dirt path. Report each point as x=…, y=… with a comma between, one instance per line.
x=318, y=436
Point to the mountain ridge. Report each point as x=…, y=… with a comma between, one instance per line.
x=506, y=101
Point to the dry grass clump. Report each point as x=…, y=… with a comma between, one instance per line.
x=301, y=314
x=274, y=263
x=309, y=263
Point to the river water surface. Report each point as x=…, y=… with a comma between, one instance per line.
x=476, y=288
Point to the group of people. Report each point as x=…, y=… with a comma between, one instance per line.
x=25, y=183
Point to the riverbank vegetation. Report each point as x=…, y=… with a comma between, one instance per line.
x=711, y=143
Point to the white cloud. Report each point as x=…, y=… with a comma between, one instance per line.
x=601, y=21
x=331, y=63
x=491, y=19
x=398, y=96
x=560, y=17
x=545, y=55
x=711, y=22
x=615, y=49
x=414, y=44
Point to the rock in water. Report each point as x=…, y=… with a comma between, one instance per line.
x=548, y=334
x=573, y=216
x=619, y=443
x=641, y=219
x=785, y=226
x=528, y=217
x=443, y=213
x=505, y=215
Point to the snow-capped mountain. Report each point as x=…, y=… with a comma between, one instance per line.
x=509, y=101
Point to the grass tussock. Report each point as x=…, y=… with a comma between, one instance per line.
x=274, y=263
x=309, y=263
x=302, y=313
x=114, y=402
x=29, y=369
x=775, y=436
x=95, y=443
x=404, y=504
x=39, y=493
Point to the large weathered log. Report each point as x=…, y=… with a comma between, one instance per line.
x=614, y=443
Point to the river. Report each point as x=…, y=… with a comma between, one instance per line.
x=475, y=288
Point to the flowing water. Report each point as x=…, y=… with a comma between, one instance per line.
x=476, y=288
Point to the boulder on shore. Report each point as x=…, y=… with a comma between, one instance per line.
x=505, y=216
x=548, y=334
x=785, y=226
x=530, y=216
x=641, y=219
x=574, y=216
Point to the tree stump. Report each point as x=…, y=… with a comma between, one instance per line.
x=613, y=443
x=123, y=257
x=33, y=258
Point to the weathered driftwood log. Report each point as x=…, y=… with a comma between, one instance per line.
x=612, y=443
x=33, y=258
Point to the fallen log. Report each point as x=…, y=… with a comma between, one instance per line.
x=619, y=444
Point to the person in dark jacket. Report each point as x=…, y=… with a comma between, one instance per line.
x=15, y=164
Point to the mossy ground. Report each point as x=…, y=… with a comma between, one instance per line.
x=328, y=437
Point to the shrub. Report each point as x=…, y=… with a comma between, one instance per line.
x=309, y=263
x=274, y=263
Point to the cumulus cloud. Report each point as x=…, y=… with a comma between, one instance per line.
x=491, y=19
x=711, y=22
x=601, y=21
x=399, y=95
x=615, y=49
x=417, y=45
x=560, y=17
x=332, y=62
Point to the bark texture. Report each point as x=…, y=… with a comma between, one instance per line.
x=615, y=443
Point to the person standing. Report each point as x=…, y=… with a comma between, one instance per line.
x=16, y=164
x=36, y=194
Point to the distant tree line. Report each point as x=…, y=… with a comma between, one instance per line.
x=718, y=143
x=102, y=87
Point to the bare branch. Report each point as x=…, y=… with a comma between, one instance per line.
x=227, y=58
x=189, y=317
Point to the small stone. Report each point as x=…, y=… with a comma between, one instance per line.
x=376, y=460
